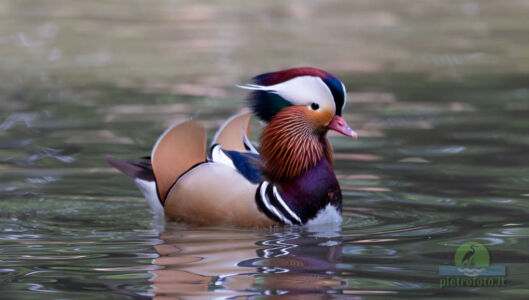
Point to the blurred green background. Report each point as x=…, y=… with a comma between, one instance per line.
x=212, y=44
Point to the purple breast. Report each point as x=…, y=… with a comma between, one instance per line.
x=312, y=191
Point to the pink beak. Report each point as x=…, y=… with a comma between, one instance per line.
x=339, y=124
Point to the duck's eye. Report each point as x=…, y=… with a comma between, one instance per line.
x=314, y=106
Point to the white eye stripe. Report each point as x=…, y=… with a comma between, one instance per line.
x=301, y=90
x=304, y=90
x=344, y=97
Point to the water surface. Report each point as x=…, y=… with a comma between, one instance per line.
x=439, y=96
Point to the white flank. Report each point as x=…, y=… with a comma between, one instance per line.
x=327, y=215
x=148, y=189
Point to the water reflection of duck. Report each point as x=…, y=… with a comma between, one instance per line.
x=290, y=182
x=231, y=262
x=468, y=258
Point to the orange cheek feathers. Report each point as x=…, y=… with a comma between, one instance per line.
x=319, y=118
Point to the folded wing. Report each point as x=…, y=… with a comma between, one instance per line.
x=178, y=149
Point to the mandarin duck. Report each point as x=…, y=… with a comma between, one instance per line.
x=290, y=180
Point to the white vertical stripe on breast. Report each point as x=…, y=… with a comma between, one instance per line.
x=285, y=206
x=269, y=206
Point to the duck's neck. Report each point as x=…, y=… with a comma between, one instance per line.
x=290, y=145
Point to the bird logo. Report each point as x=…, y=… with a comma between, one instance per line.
x=468, y=259
x=472, y=258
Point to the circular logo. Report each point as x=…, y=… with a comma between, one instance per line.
x=472, y=254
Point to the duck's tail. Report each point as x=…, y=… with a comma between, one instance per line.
x=177, y=150
x=141, y=171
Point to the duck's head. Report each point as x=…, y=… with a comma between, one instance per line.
x=299, y=106
x=313, y=94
